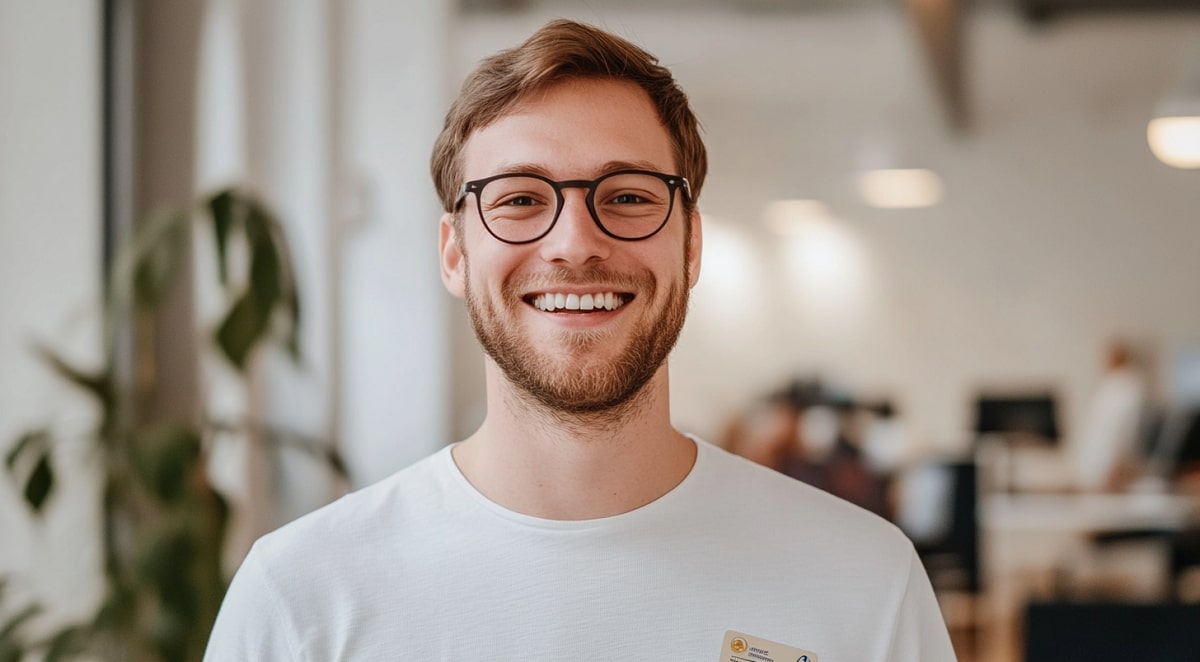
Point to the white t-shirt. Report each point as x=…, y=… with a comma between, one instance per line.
x=421, y=566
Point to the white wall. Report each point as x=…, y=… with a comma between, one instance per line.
x=395, y=343
x=1059, y=230
x=50, y=226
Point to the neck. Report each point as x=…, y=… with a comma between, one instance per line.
x=569, y=466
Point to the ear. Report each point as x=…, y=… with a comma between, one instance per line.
x=453, y=261
x=694, y=250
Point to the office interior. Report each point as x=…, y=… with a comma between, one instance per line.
x=957, y=346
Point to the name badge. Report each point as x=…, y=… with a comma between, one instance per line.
x=741, y=647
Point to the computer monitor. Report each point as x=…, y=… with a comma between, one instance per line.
x=1028, y=415
x=1189, y=446
x=1175, y=444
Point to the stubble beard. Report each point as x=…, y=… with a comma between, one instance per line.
x=574, y=390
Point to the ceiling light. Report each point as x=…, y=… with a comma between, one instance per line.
x=1174, y=132
x=790, y=216
x=900, y=188
x=1175, y=140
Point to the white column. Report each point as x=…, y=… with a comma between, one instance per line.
x=394, y=315
x=288, y=101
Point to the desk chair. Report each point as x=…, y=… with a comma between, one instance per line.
x=1087, y=632
x=951, y=557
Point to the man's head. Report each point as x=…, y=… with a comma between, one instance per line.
x=562, y=50
x=580, y=315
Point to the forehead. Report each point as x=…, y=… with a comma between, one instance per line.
x=574, y=129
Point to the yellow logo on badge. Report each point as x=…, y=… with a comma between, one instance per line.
x=742, y=647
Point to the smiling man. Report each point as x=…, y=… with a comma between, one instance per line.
x=577, y=523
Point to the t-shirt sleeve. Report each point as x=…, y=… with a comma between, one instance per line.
x=919, y=631
x=251, y=624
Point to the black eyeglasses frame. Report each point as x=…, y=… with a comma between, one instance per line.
x=673, y=182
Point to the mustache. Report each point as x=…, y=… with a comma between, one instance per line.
x=598, y=276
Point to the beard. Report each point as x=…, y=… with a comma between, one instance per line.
x=587, y=381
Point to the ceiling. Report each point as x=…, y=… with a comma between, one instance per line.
x=939, y=24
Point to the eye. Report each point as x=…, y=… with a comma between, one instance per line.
x=519, y=201
x=629, y=199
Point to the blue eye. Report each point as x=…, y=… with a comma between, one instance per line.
x=628, y=199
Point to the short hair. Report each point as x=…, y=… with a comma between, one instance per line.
x=563, y=50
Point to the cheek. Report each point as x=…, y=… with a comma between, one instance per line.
x=490, y=268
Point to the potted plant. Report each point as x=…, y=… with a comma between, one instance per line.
x=163, y=522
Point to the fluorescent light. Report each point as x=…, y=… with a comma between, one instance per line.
x=905, y=188
x=1175, y=140
x=790, y=216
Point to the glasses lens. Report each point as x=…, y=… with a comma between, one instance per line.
x=517, y=208
x=632, y=206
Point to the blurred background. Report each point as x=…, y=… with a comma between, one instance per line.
x=951, y=272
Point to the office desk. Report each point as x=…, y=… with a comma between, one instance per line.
x=1027, y=538
x=1086, y=513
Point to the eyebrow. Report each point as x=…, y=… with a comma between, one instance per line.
x=610, y=166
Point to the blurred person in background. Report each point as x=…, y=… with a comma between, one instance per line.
x=1107, y=454
x=577, y=523
x=845, y=448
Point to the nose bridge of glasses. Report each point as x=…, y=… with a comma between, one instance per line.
x=586, y=190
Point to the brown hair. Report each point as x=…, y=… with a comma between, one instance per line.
x=559, y=51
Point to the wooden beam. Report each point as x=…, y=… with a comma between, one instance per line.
x=939, y=24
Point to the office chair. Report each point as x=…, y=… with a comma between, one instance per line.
x=1087, y=632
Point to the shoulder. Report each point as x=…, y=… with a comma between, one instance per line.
x=316, y=569
x=356, y=519
x=795, y=511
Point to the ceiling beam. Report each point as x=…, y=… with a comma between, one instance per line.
x=939, y=24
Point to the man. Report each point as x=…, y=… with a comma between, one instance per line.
x=577, y=523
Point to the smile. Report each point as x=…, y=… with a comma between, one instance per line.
x=553, y=302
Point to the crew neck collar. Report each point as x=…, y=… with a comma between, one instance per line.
x=460, y=482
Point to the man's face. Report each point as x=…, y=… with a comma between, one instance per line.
x=574, y=360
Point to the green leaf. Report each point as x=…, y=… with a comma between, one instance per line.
x=98, y=384
x=33, y=439
x=164, y=552
x=118, y=608
x=265, y=264
x=9, y=631
x=40, y=482
x=337, y=464
x=144, y=269
x=223, y=209
x=66, y=644
x=169, y=633
x=155, y=272
x=243, y=326
x=291, y=341
x=165, y=459
x=249, y=319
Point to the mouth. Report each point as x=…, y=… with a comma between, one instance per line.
x=591, y=302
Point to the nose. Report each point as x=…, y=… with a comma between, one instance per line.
x=575, y=239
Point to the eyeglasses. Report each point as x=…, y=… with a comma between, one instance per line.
x=630, y=205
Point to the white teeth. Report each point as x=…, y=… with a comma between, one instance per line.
x=599, y=300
